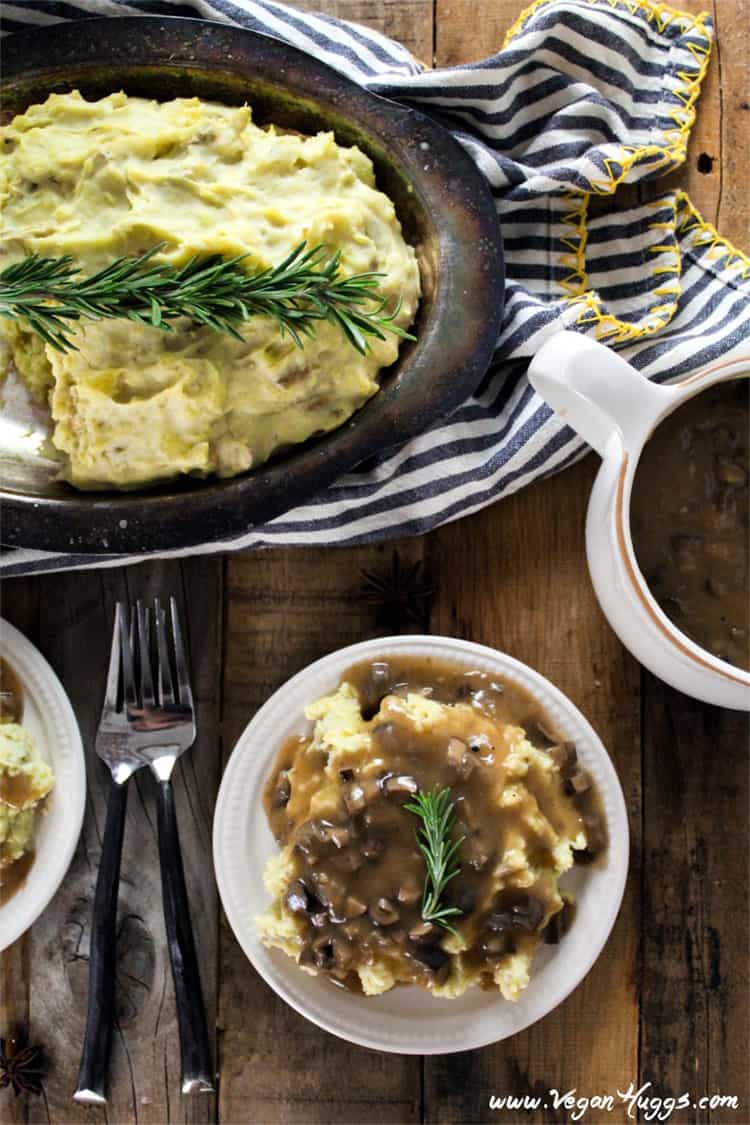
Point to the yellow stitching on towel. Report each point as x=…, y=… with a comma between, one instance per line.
x=576, y=282
x=612, y=328
x=654, y=12
x=687, y=93
x=702, y=233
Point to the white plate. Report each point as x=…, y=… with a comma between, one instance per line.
x=408, y=1020
x=48, y=715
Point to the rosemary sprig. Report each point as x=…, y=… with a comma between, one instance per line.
x=213, y=291
x=435, y=811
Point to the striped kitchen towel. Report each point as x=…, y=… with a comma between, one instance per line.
x=584, y=95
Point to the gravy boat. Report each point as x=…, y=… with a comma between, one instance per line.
x=616, y=409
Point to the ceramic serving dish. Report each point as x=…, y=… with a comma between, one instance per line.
x=49, y=716
x=616, y=410
x=446, y=211
x=408, y=1020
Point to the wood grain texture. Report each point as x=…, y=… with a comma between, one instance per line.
x=287, y=608
x=408, y=21
x=71, y=626
x=666, y=1002
x=512, y=577
x=694, y=1021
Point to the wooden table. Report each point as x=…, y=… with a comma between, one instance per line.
x=666, y=1003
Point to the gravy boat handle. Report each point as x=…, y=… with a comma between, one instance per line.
x=597, y=392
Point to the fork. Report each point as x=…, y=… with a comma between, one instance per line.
x=144, y=725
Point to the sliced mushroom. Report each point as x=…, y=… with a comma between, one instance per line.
x=425, y=933
x=564, y=755
x=323, y=952
x=282, y=790
x=596, y=833
x=383, y=912
x=297, y=898
x=434, y=958
x=455, y=752
x=392, y=783
x=525, y=913
x=409, y=892
x=377, y=685
x=496, y=945
x=372, y=847
x=460, y=757
x=349, y=859
x=354, y=907
x=539, y=734
x=336, y=834
x=354, y=798
x=579, y=782
x=559, y=924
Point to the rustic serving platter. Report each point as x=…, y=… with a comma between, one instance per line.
x=447, y=213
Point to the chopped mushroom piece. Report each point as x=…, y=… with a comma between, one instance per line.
x=383, y=912
x=579, y=782
x=564, y=755
x=525, y=914
x=322, y=951
x=409, y=892
x=297, y=898
x=372, y=848
x=398, y=783
x=354, y=798
x=349, y=859
x=282, y=791
x=425, y=932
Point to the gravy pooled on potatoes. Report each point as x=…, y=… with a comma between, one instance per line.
x=349, y=881
x=689, y=519
x=25, y=781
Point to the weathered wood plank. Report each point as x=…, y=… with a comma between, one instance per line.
x=695, y=906
x=73, y=630
x=513, y=577
x=521, y=586
x=286, y=609
x=408, y=21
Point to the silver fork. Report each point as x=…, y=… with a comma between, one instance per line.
x=144, y=724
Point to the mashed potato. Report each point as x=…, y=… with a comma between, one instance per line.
x=25, y=780
x=346, y=884
x=97, y=180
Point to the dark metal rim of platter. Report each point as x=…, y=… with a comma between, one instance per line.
x=446, y=209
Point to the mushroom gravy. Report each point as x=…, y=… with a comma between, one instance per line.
x=14, y=791
x=357, y=876
x=689, y=519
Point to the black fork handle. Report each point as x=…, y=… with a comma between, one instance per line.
x=92, y=1075
x=195, y=1054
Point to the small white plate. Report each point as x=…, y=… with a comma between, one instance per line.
x=49, y=716
x=408, y=1020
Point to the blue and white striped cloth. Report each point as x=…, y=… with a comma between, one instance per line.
x=583, y=95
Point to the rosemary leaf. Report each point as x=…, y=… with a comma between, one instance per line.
x=50, y=294
x=435, y=811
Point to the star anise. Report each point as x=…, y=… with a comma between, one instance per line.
x=21, y=1066
x=402, y=594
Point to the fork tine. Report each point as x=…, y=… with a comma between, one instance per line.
x=127, y=642
x=163, y=669
x=143, y=617
x=183, y=676
x=113, y=675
